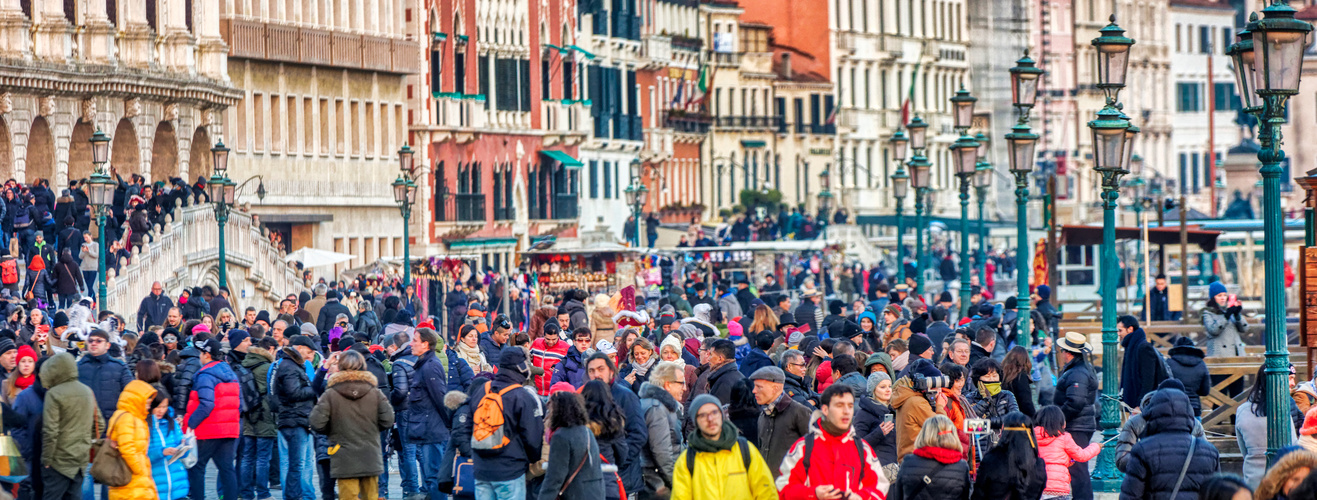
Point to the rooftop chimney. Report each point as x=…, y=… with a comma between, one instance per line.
x=786, y=66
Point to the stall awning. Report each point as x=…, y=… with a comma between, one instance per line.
x=480, y=243
x=1092, y=235
x=952, y=224
x=565, y=159
x=753, y=144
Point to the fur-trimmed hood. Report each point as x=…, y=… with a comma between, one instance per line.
x=256, y=351
x=292, y=355
x=651, y=391
x=352, y=384
x=1278, y=474
x=455, y=399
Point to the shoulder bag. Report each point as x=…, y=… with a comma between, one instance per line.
x=1193, y=443
x=109, y=467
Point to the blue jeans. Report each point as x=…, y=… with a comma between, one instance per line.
x=296, y=443
x=501, y=490
x=224, y=453
x=254, y=468
x=407, y=461
x=89, y=489
x=384, y=476
x=431, y=457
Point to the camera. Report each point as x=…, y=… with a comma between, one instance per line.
x=977, y=426
x=925, y=384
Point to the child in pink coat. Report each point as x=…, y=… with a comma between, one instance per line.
x=1058, y=450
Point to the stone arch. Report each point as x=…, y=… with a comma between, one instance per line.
x=40, y=152
x=80, y=165
x=164, y=153
x=125, y=156
x=6, y=152
x=199, y=159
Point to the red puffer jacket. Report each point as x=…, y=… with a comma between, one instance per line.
x=214, y=406
x=545, y=357
x=836, y=461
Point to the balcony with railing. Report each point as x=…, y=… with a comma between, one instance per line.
x=657, y=49
x=749, y=122
x=687, y=43
x=687, y=122
x=565, y=206
x=731, y=59
x=459, y=112
x=271, y=41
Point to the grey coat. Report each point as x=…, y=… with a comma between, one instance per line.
x=663, y=420
x=567, y=448
x=1251, y=436
x=1223, y=334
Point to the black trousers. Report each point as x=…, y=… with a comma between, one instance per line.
x=1081, y=480
x=60, y=487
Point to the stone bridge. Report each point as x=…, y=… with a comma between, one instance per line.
x=183, y=252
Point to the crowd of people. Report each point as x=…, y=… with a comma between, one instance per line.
x=745, y=393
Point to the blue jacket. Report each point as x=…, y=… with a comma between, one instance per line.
x=106, y=376
x=571, y=369
x=637, y=435
x=459, y=373
x=28, y=405
x=523, y=426
x=754, y=360
x=427, y=419
x=170, y=479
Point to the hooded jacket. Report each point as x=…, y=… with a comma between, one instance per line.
x=868, y=421
x=189, y=364
x=781, y=424
x=70, y=418
x=214, y=406
x=834, y=460
x=1155, y=463
x=1280, y=473
x=128, y=428
x=1058, y=452
x=170, y=479
x=1134, y=429
x=259, y=421
x=663, y=415
x=931, y=474
x=754, y=360
x=1188, y=367
x=290, y=390
x=912, y=409
x=427, y=420
x=352, y=413
x=576, y=314
x=523, y=426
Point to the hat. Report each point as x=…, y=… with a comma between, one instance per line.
x=787, y=319
x=561, y=386
x=61, y=319
x=902, y=287
x=149, y=338
x=810, y=293
x=836, y=307
x=200, y=328
x=7, y=345
x=849, y=329
x=666, y=320
x=700, y=286
x=986, y=310
x=1309, y=422
x=263, y=316
x=345, y=342
x=919, y=324
x=756, y=303
x=209, y=346
x=26, y=351
x=513, y=359
x=606, y=347
x=793, y=339
x=673, y=340
x=1171, y=383
x=946, y=296
x=918, y=344
x=169, y=336
x=1011, y=303
x=236, y=336
x=735, y=330
x=303, y=341
x=702, y=400
x=1073, y=342
x=876, y=378
x=894, y=309
x=1044, y=292
x=924, y=367
x=770, y=374
x=309, y=329
x=1214, y=289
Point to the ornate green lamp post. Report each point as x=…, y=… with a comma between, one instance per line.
x=825, y=202
x=966, y=151
x=102, y=198
x=900, y=185
x=1021, y=143
x=1112, y=137
x=919, y=168
x=1274, y=57
x=404, y=194
x=221, y=190
x=982, y=181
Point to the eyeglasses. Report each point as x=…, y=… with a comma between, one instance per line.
x=796, y=364
x=95, y=340
x=708, y=415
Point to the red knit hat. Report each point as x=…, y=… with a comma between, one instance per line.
x=1309, y=421
x=26, y=351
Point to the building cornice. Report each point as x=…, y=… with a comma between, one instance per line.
x=105, y=80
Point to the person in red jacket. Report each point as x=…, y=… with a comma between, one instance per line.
x=214, y=408
x=831, y=463
x=547, y=352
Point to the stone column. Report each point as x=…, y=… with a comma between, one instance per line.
x=135, y=44
x=176, y=41
x=212, y=52
x=15, y=38
x=96, y=39
x=52, y=34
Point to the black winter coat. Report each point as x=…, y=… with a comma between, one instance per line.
x=868, y=419
x=106, y=376
x=1155, y=462
x=1076, y=394
x=796, y=389
x=637, y=434
x=153, y=310
x=732, y=389
x=291, y=393
x=1188, y=367
x=923, y=478
x=427, y=419
x=68, y=278
x=329, y=312
x=991, y=483
x=188, y=366
x=523, y=426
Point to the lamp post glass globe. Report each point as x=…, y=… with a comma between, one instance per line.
x=406, y=159
x=1024, y=82
x=983, y=175
x=1113, y=49
x=400, y=190
x=983, y=145
x=900, y=183
x=1281, y=39
x=899, y=142
x=102, y=189
x=630, y=192
x=642, y=196
x=100, y=148
x=219, y=156
x=963, y=108
x=1243, y=58
x=1021, y=142
x=918, y=133
x=966, y=151
x=920, y=168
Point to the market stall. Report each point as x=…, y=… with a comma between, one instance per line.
x=598, y=267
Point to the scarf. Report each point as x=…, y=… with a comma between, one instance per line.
x=901, y=361
x=941, y=455
x=22, y=382
x=726, y=440
x=832, y=430
x=641, y=370
x=472, y=356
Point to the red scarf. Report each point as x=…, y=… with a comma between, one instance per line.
x=942, y=455
x=24, y=382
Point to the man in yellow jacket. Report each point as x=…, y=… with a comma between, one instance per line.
x=719, y=464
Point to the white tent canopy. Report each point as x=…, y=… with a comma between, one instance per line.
x=313, y=257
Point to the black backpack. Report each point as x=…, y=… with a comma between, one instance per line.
x=740, y=443
x=251, y=395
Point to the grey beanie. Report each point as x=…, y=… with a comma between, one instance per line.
x=703, y=399
x=875, y=378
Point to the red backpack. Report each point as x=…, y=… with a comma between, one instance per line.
x=9, y=272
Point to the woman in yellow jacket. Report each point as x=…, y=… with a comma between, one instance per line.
x=725, y=467
x=129, y=430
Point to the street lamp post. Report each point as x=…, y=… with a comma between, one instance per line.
x=919, y=169
x=900, y=184
x=1270, y=56
x=1021, y=141
x=1138, y=203
x=966, y=150
x=221, y=189
x=636, y=197
x=404, y=194
x=102, y=198
x=1113, y=136
x=982, y=181
x=825, y=202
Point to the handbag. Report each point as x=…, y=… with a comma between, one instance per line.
x=568, y=482
x=464, y=479
x=189, y=457
x=108, y=467
x=13, y=468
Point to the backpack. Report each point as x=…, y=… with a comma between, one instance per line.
x=9, y=272
x=740, y=443
x=487, y=421
x=22, y=218
x=251, y=395
x=859, y=446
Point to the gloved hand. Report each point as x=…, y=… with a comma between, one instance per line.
x=1235, y=311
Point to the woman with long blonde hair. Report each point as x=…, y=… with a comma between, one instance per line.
x=764, y=320
x=934, y=465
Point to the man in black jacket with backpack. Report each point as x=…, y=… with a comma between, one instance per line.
x=500, y=468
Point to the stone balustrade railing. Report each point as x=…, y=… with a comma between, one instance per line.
x=183, y=252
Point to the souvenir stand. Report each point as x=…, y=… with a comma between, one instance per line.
x=597, y=267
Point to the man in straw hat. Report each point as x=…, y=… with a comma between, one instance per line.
x=1076, y=393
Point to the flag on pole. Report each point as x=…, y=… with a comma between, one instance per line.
x=704, y=84
x=910, y=98
x=676, y=99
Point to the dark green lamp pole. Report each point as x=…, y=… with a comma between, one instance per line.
x=1272, y=61
x=102, y=198
x=1021, y=142
x=1137, y=203
x=221, y=190
x=900, y=185
x=919, y=169
x=404, y=194
x=825, y=202
x=966, y=150
x=982, y=181
x=1112, y=143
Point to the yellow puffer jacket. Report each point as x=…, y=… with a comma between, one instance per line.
x=722, y=476
x=129, y=429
